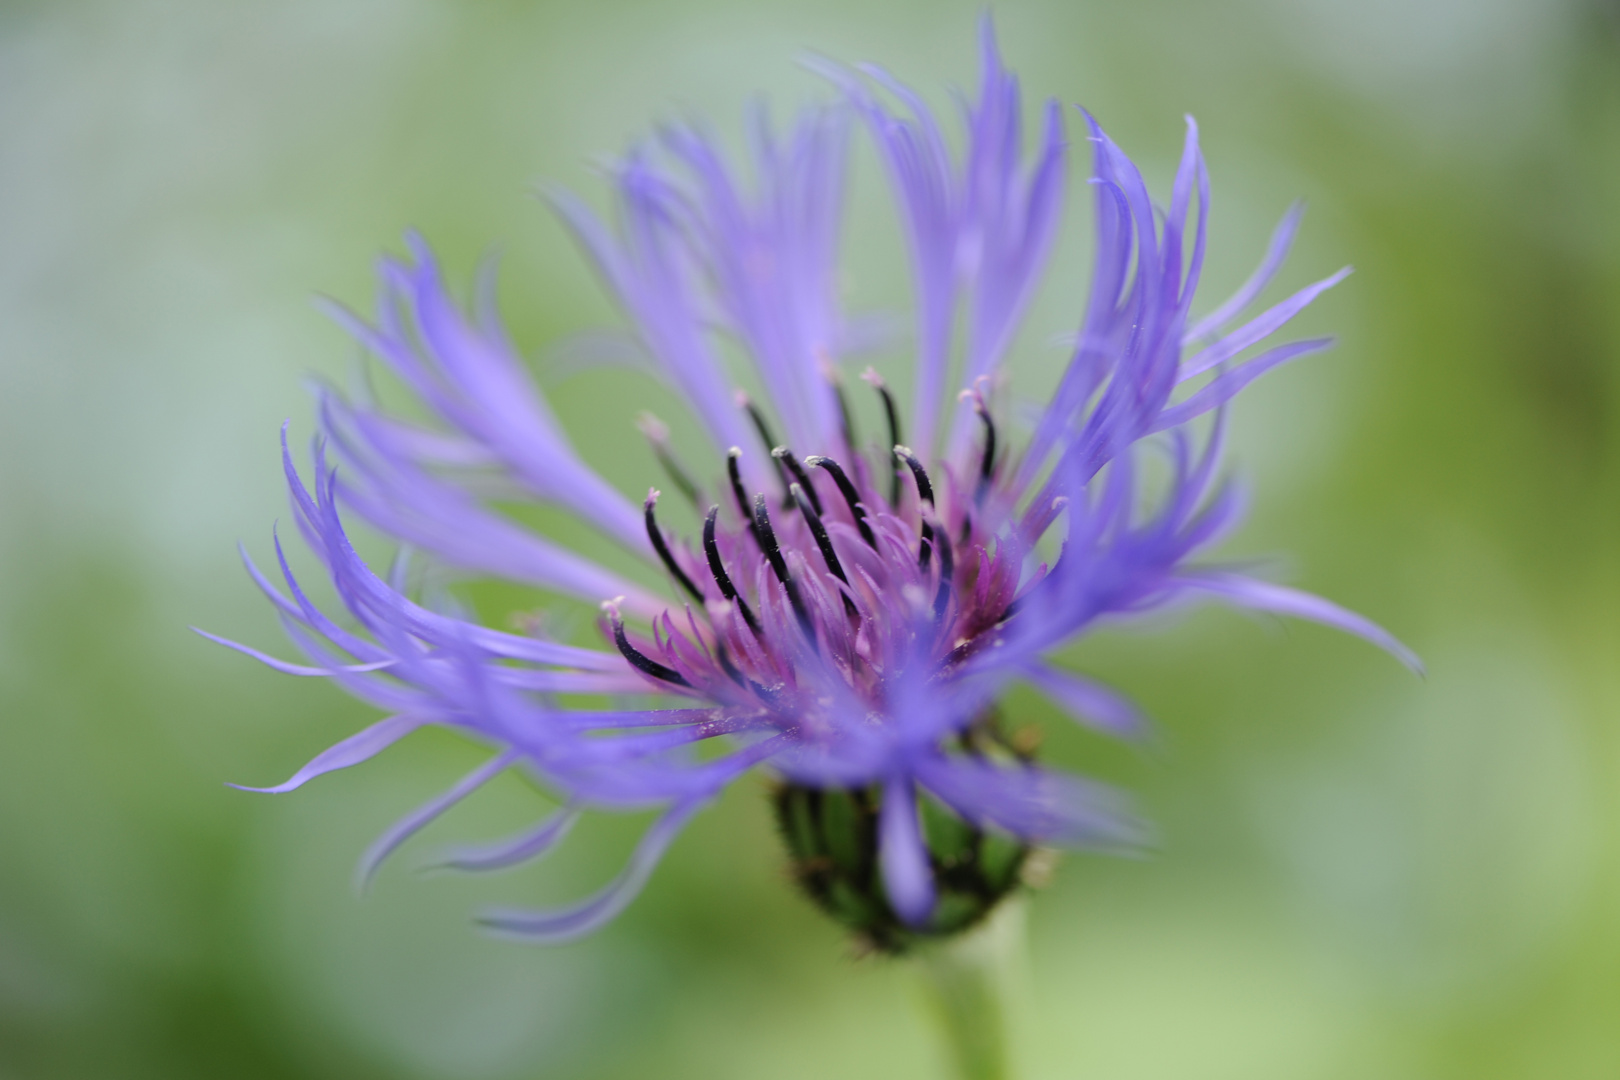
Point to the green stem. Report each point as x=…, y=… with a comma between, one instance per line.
x=969, y=987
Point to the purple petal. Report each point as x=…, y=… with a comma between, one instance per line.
x=1034, y=804
x=530, y=844
x=1282, y=238
x=351, y=751
x=284, y=666
x=907, y=878
x=1281, y=600
x=1226, y=386
x=576, y=920
x=1091, y=703
x=1257, y=330
x=418, y=819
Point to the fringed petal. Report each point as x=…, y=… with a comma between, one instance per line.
x=418, y=819
x=1089, y=702
x=1035, y=804
x=1282, y=238
x=284, y=666
x=1225, y=387
x=527, y=845
x=1281, y=600
x=1262, y=327
x=576, y=920
x=351, y=751
x=907, y=879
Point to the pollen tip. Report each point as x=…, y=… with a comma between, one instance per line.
x=779, y=452
x=814, y=461
x=734, y=452
x=872, y=378
x=740, y=396
x=653, y=428
x=652, y=497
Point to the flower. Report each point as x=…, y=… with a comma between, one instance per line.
x=850, y=612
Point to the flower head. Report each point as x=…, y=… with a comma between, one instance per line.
x=854, y=603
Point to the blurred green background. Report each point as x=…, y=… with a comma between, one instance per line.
x=1361, y=875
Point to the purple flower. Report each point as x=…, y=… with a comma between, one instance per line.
x=852, y=609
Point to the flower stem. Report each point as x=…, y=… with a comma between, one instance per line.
x=969, y=987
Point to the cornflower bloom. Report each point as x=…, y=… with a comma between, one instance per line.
x=850, y=613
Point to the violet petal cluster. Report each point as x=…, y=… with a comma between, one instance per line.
x=850, y=608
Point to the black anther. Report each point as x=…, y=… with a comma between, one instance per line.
x=718, y=569
x=925, y=492
x=724, y=659
x=784, y=456
x=657, y=434
x=987, y=463
x=824, y=542
x=644, y=664
x=765, y=434
x=947, y=572
x=892, y=415
x=656, y=535
x=734, y=472
x=851, y=496
x=773, y=552
x=846, y=423
x=925, y=487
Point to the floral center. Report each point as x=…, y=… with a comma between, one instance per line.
x=835, y=588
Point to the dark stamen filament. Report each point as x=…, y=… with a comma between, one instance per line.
x=925, y=492
x=718, y=569
x=656, y=535
x=947, y=571
x=851, y=496
x=987, y=463
x=657, y=434
x=785, y=457
x=773, y=552
x=765, y=436
x=845, y=422
x=925, y=487
x=724, y=659
x=824, y=542
x=734, y=471
x=644, y=664
x=892, y=415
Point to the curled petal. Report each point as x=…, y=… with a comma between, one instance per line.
x=418, y=819
x=1281, y=600
x=1224, y=387
x=351, y=751
x=1282, y=238
x=1262, y=327
x=576, y=920
x=284, y=666
x=530, y=844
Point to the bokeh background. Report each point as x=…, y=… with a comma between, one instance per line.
x=1361, y=875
